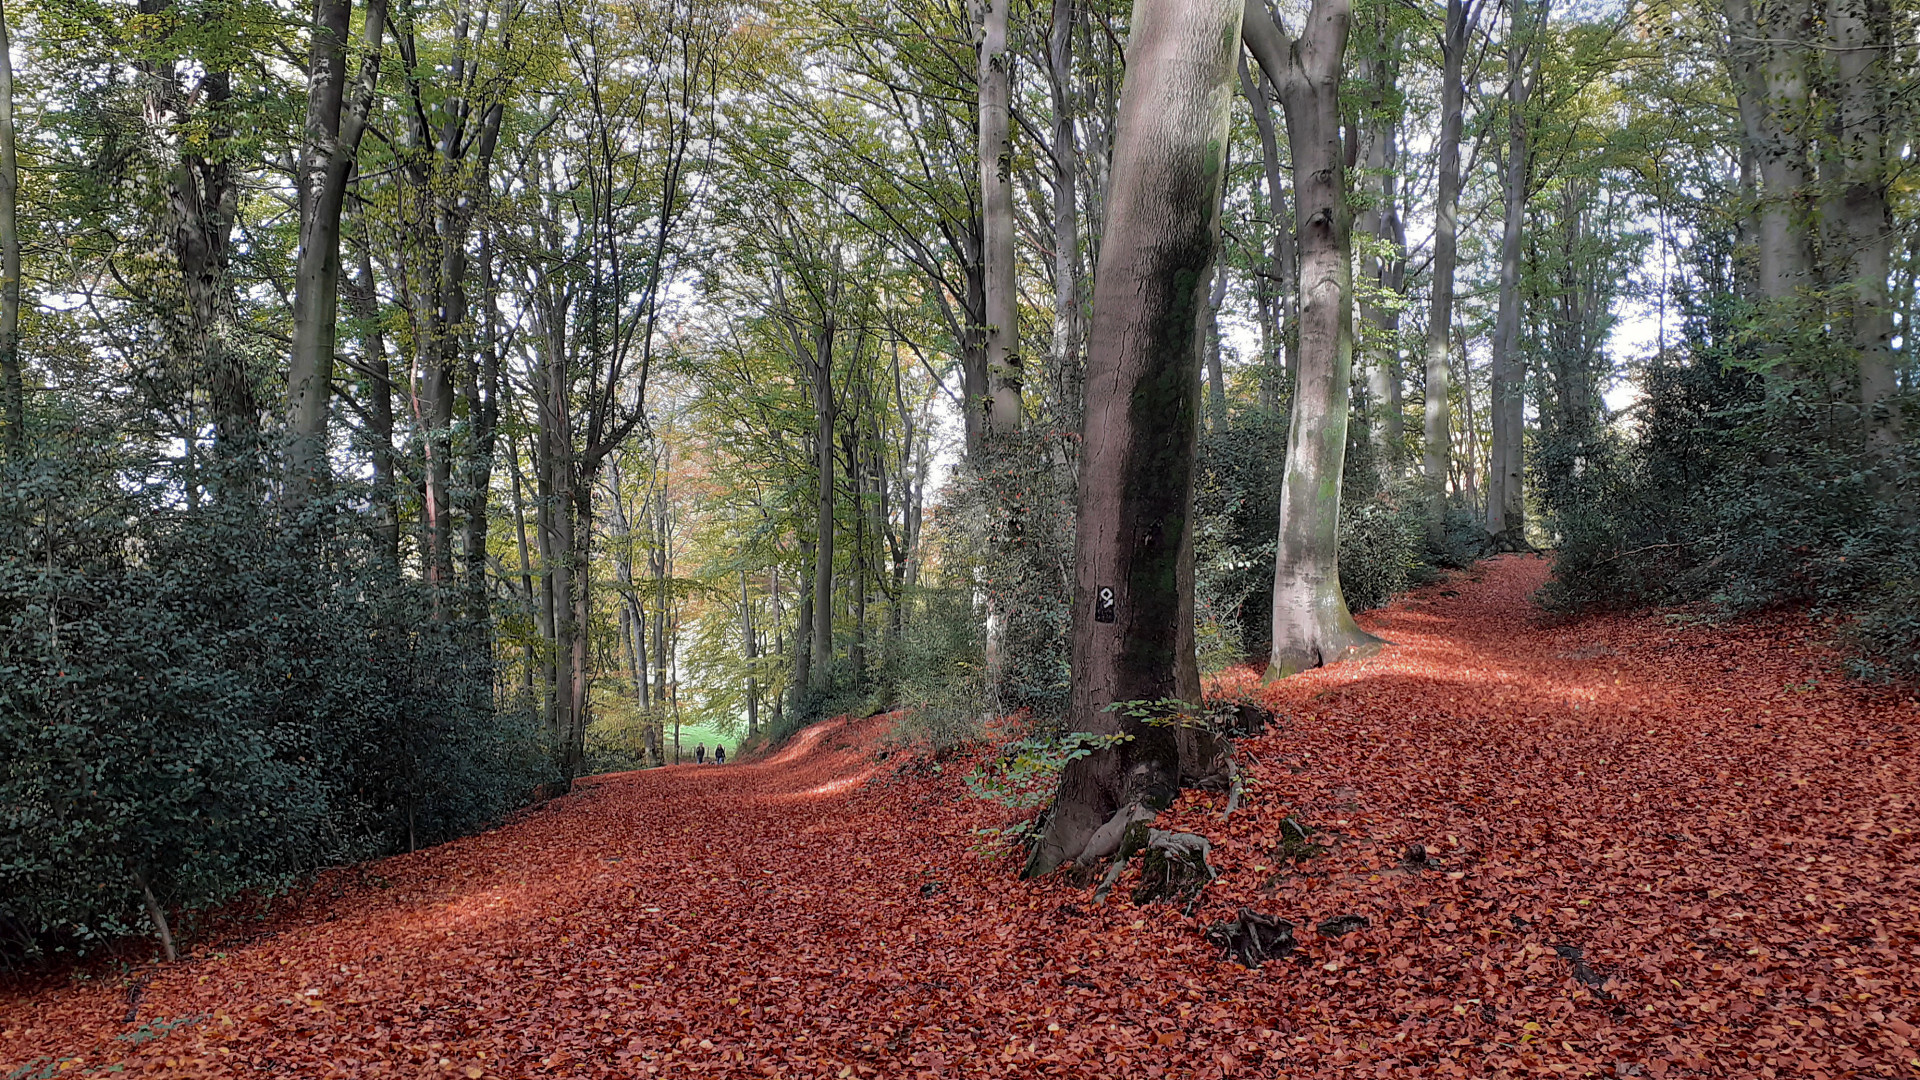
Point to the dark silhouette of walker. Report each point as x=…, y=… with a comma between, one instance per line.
x=719, y=754
x=700, y=754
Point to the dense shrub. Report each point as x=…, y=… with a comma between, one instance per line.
x=194, y=697
x=1740, y=490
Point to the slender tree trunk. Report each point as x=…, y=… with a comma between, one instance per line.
x=1066, y=209
x=1384, y=276
x=1283, y=259
x=1216, y=377
x=1311, y=623
x=820, y=668
x=331, y=145
x=1506, y=497
x=363, y=300
x=13, y=392
x=749, y=647
x=1133, y=585
x=1438, y=434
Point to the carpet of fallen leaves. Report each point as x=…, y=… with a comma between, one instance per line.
x=1720, y=825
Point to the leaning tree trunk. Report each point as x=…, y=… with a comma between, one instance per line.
x=1133, y=584
x=1437, y=460
x=1311, y=623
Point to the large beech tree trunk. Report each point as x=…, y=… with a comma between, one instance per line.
x=1436, y=462
x=1311, y=623
x=1861, y=39
x=335, y=122
x=1002, y=328
x=1134, y=543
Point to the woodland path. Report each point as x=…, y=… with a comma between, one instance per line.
x=1722, y=826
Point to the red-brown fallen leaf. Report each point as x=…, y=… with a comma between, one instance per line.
x=1724, y=828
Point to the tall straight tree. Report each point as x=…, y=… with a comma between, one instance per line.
x=13, y=394
x=336, y=120
x=1311, y=623
x=1002, y=331
x=1133, y=572
x=1437, y=460
x=1506, y=498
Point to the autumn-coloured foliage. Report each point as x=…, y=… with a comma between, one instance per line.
x=1629, y=846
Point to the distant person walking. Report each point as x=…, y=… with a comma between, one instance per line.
x=700, y=754
x=719, y=754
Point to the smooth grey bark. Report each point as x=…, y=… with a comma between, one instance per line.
x=1436, y=461
x=336, y=120
x=1002, y=329
x=1506, y=520
x=1311, y=623
x=13, y=390
x=1134, y=540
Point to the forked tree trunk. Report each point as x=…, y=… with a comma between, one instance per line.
x=335, y=122
x=1437, y=461
x=1311, y=623
x=1133, y=574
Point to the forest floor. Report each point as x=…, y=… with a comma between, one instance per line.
x=1719, y=824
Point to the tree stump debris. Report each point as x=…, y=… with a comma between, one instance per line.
x=1252, y=938
x=1341, y=925
x=1174, y=867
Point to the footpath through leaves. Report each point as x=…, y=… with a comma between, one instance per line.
x=1650, y=849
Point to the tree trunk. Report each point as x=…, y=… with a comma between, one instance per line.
x=749, y=647
x=996, y=200
x=1133, y=585
x=1282, y=260
x=1861, y=33
x=1384, y=277
x=1216, y=376
x=329, y=149
x=363, y=300
x=820, y=665
x=1438, y=433
x=1506, y=497
x=1066, y=211
x=13, y=391
x=1311, y=623
x=1767, y=57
